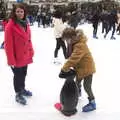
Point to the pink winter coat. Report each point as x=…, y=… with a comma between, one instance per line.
x=18, y=45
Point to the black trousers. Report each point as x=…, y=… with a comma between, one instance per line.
x=105, y=26
x=111, y=26
x=95, y=27
x=60, y=43
x=19, y=78
x=87, y=83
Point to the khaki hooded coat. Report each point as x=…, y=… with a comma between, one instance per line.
x=81, y=58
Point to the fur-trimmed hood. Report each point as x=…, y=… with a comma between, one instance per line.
x=72, y=35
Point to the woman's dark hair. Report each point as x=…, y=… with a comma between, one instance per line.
x=15, y=6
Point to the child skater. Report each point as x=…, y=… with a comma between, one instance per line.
x=82, y=61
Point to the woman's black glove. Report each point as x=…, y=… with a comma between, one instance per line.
x=64, y=74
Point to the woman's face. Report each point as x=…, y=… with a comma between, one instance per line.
x=19, y=13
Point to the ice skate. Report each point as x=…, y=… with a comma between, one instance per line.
x=20, y=99
x=90, y=106
x=56, y=61
x=26, y=93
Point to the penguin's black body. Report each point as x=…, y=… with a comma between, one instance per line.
x=69, y=97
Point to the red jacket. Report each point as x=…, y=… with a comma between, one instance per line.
x=18, y=45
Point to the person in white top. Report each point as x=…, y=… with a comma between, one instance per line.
x=58, y=30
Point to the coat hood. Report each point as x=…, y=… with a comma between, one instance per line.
x=72, y=35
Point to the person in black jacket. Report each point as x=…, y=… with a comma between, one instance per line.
x=73, y=20
x=95, y=21
x=112, y=19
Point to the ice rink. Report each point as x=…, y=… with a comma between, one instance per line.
x=42, y=79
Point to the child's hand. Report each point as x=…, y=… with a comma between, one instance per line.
x=64, y=74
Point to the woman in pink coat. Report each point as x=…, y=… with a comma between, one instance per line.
x=19, y=50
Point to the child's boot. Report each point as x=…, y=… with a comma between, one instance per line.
x=20, y=99
x=90, y=106
x=26, y=93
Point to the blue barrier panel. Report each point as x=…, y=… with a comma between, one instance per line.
x=19, y=1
